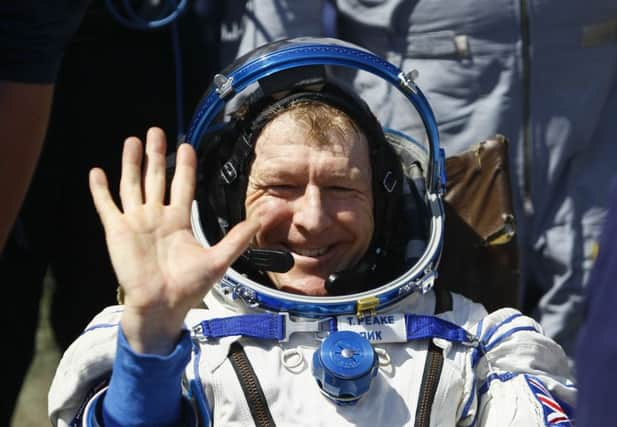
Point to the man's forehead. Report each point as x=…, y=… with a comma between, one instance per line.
x=285, y=130
x=281, y=170
x=282, y=160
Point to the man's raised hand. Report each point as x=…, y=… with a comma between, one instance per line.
x=161, y=268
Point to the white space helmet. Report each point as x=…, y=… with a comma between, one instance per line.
x=408, y=174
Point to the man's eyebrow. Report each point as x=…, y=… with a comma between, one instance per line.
x=272, y=174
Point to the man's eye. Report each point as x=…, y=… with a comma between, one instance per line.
x=281, y=189
x=339, y=189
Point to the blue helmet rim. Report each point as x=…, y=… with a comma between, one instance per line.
x=301, y=52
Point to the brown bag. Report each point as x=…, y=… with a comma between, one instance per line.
x=480, y=256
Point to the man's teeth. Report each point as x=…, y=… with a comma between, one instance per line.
x=311, y=252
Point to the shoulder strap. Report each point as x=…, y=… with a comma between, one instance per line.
x=432, y=366
x=250, y=386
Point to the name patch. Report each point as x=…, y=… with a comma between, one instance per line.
x=383, y=328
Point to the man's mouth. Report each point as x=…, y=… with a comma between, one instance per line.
x=313, y=253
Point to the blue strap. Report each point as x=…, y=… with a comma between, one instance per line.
x=265, y=326
x=272, y=326
x=423, y=327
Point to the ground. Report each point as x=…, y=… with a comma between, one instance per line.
x=31, y=408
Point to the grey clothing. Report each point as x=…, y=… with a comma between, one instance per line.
x=541, y=72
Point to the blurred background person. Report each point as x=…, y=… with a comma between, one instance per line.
x=541, y=72
x=33, y=36
x=597, y=348
x=114, y=81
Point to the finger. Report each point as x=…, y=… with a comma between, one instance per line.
x=103, y=202
x=130, y=180
x=183, y=183
x=154, y=182
x=232, y=245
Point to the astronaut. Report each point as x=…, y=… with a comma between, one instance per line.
x=288, y=280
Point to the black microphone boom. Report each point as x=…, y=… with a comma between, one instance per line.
x=269, y=259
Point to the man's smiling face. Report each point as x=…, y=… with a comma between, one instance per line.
x=312, y=192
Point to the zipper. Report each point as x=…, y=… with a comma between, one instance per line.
x=526, y=107
x=432, y=366
x=251, y=387
x=428, y=389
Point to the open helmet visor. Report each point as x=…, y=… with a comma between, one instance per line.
x=278, y=59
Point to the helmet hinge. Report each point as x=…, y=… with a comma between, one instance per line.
x=224, y=85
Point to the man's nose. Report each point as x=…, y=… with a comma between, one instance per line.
x=311, y=212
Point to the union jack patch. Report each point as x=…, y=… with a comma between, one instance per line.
x=554, y=414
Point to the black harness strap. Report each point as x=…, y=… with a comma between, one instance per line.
x=250, y=386
x=430, y=379
x=432, y=366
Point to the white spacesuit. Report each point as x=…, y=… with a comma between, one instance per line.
x=522, y=379
x=384, y=348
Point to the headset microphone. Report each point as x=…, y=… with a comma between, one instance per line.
x=269, y=259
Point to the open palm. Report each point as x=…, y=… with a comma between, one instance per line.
x=161, y=268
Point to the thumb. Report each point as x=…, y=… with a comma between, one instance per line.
x=230, y=247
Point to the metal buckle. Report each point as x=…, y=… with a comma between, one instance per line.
x=473, y=341
x=197, y=333
x=293, y=326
